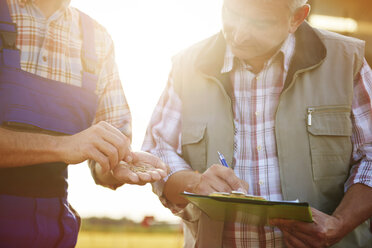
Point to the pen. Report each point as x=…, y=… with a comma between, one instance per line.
x=222, y=159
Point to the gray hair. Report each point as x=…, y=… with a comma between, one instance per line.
x=295, y=4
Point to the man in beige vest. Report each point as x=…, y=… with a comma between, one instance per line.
x=290, y=108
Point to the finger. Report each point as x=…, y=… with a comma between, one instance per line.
x=161, y=172
x=309, y=241
x=148, y=158
x=292, y=240
x=109, y=150
x=214, y=182
x=309, y=233
x=233, y=181
x=219, y=186
x=101, y=159
x=286, y=241
x=281, y=222
x=228, y=176
x=110, y=128
x=304, y=227
x=144, y=176
x=203, y=189
x=244, y=186
x=155, y=176
x=117, y=139
x=148, y=176
x=125, y=175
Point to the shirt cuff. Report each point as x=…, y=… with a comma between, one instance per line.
x=360, y=173
x=158, y=188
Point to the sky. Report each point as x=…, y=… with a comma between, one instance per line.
x=146, y=34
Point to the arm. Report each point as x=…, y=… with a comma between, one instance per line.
x=163, y=139
x=21, y=148
x=354, y=209
x=356, y=205
x=101, y=142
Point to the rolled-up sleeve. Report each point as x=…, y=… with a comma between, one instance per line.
x=163, y=138
x=361, y=170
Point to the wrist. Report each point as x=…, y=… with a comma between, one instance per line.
x=336, y=229
x=58, y=148
x=195, y=181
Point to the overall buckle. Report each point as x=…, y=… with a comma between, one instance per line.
x=8, y=38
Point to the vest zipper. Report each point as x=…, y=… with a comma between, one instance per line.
x=309, y=115
x=310, y=111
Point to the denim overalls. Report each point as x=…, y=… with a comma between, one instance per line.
x=34, y=211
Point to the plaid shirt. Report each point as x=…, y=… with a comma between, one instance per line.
x=51, y=48
x=256, y=97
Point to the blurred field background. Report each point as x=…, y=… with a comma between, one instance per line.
x=88, y=239
x=125, y=233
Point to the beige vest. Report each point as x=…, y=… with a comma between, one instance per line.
x=314, y=158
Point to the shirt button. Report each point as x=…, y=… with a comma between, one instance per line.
x=259, y=147
x=261, y=182
x=257, y=78
x=45, y=58
x=257, y=113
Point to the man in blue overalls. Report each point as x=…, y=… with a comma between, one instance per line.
x=61, y=103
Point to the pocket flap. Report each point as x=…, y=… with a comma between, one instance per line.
x=331, y=123
x=192, y=132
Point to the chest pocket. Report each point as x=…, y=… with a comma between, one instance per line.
x=194, y=145
x=330, y=129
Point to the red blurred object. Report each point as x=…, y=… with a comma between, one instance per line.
x=147, y=221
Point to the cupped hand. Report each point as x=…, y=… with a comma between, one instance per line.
x=144, y=168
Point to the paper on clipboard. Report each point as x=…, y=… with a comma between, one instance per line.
x=249, y=211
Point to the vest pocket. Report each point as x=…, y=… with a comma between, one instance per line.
x=330, y=129
x=194, y=150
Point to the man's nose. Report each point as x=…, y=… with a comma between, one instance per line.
x=241, y=32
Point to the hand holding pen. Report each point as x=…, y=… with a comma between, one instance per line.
x=222, y=160
x=224, y=163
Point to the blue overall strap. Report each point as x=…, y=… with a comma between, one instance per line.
x=5, y=16
x=8, y=35
x=88, y=53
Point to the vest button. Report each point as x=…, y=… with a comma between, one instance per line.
x=45, y=58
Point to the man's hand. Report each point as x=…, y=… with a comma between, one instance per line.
x=218, y=178
x=145, y=168
x=102, y=143
x=323, y=232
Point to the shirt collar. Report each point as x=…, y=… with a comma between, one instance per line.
x=64, y=6
x=287, y=50
x=23, y=2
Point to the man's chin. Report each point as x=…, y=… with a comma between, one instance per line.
x=244, y=54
